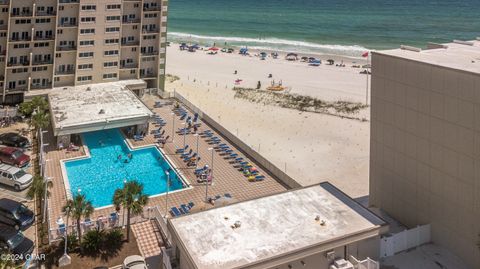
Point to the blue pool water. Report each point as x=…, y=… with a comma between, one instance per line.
x=100, y=175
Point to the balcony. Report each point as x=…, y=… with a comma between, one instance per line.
x=44, y=38
x=4, y=2
x=20, y=38
x=3, y=53
x=41, y=86
x=45, y=13
x=67, y=24
x=128, y=66
x=42, y=62
x=2, y=77
x=69, y=1
x=149, y=53
x=150, y=31
x=23, y=63
x=131, y=21
x=65, y=72
x=27, y=13
x=152, y=9
x=148, y=75
x=130, y=43
x=66, y=48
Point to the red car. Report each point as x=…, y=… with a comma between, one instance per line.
x=14, y=156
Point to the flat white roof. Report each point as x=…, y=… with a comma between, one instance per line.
x=271, y=227
x=91, y=107
x=452, y=55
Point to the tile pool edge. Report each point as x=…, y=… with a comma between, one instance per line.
x=66, y=182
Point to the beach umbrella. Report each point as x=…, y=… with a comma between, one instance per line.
x=213, y=49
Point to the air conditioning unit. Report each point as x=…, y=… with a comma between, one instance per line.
x=341, y=264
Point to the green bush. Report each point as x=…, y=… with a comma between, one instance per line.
x=93, y=240
x=114, y=238
x=72, y=243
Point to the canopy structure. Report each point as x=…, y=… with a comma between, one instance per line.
x=93, y=107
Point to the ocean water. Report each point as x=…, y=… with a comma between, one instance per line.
x=343, y=27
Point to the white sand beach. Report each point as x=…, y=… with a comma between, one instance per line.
x=311, y=147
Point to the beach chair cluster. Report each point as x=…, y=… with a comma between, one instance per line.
x=158, y=104
x=212, y=200
x=88, y=224
x=190, y=158
x=202, y=174
x=182, y=209
x=251, y=172
x=138, y=137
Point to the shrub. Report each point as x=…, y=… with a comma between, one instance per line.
x=72, y=243
x=93, y=240
x=114, y=238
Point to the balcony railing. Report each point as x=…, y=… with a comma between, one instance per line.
x=148, y=75
x=130, y=43
x=41, y=86
x=66, y=48
x=131, y=21
x=45, y=13
x=157, y=8
x=42, y=62
x=65, y=72
x=20, y=38
x=67, y=24
x=48, y=37
x=150, y=31
x=24, y=63
x=4, y=2
x=69, y=1
x=128, y=66
x=22, y=14
x=149, y=53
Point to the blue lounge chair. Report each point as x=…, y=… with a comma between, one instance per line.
x=259, y=178
x=175, y=212
x=191, y=204
x=239, y=159
x=185, y=208
x=233, y=155
x=218, y=197
x=228, y=195
x=181, y=150
x=113, y=217
x=61, y=229
x=138, y=138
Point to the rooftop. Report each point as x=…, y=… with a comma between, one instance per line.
x=273, y=226
x=461, y=55
x=89, y=107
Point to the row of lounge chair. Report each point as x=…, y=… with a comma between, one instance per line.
x=182, y=209
x=100, y=223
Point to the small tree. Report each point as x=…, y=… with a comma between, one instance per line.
x=78, y=208
x=132, y=199
x=39, y=189
x=38, y=104
x=40, y=120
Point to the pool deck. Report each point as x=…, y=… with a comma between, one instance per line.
x=227, y=178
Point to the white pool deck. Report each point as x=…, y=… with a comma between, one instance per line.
x=93, y=107
x=272, y=227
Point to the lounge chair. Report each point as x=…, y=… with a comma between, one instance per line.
x=185, y=208
x=186, y=154
x=181, y=150
x=218, y=197
x=233, y=155
x=175, y=212
x=61, y=229
x=239, y=159
x=113, y=218
x=228, y=195
x=138, y=137
x=191, y=204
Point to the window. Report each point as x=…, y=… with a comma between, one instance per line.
x=112, y=41
x=84, y=78
x=87, y=43
x=113, y=18
x=87, y=31
x=149, y=37
x=23, y=21
x=89, y=7
x=39, y=68
x=112, y=29
x=110, y=64
x=116, y=6
x=85, y=54
x=41, y=45
x=87, y=19
x=19, y=70
x=110, y=52
x=21, y=46
x=150, y=15
x=85, y=66
x=109, y=75
x=43, y=20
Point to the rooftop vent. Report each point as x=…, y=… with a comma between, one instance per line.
x=461, y=42
x=410, y=48
x=102, y=111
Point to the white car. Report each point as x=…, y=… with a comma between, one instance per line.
x=14, y=177
x=134, y=262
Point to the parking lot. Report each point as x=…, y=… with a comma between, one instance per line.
x=20, y=196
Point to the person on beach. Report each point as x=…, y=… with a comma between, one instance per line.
x=130, y=156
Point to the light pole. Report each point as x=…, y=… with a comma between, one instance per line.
x=196, y=160
x=211, y=176
x=173, y=127
x=168, y=188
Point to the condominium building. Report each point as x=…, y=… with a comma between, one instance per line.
x=425, y=141
x=55, y=43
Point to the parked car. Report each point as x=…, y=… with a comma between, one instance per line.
x=14, y=156
x=14, y=177
x=15, y=243
x=14, y=140
x=134, y=262
x=15, y=214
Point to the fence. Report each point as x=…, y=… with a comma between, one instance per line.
x=162, y=225
x=395, y=243
x=365, y=264
x=246, y=149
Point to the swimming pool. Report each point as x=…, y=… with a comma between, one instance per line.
x=105, y=171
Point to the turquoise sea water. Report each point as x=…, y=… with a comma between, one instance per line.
x=343, y=27
x=99, y=176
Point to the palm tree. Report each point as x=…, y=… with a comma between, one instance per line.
x=39, y=189
x=132, y=199
x=40, y=120
x=77, y=208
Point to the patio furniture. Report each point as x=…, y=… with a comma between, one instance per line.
x=228, y=195
x=61, y=229
x=113, y=219
x=185, y=208
x=175, y=212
